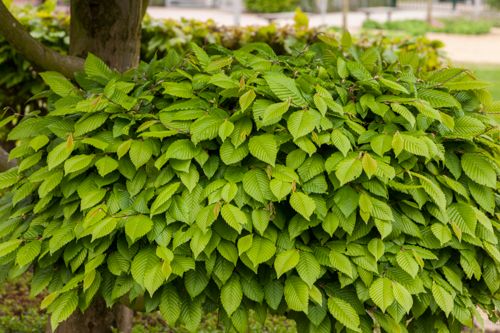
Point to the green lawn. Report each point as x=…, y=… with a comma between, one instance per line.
x=490, y=73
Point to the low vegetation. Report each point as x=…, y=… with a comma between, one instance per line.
x=418, y=27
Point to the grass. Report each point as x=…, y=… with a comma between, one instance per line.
x=457, y=25
x=490, y=73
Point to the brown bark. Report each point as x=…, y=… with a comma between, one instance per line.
x=97, y=319
x=33, y=50
x=109, y=29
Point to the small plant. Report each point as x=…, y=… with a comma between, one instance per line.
x=271, y=6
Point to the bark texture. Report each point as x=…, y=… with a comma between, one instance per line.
x=37, y=53
x=97, y=319
x=109, y=29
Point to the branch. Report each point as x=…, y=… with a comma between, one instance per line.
x=33, y=50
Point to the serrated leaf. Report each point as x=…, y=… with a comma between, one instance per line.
x=286, y=261
x=58, y=83
x=381, y=293
x=170, y=305
x=58, y=155
x=303, y=122
x=308, y=268
x=296, y=294
x=479, y=169
x=285, y=88
x=140, y=153
x=348, y=170
x=77, y=163
x=234, y=217
x=443, y=298
x=137, y=226
x=264, y=147
x=344, y=313
x=231, y=295
x=302, y=204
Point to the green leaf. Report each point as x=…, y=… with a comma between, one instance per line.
x=285, y=88
x=77, y=163
x=58, y=155
x=308, y=268
x=104, y=228
x=178, y=89
x=229, y=154
x=303, y=122
x=182, y=149
x=442, y=232
x=376, y=247
x=302, y=204
x=262, y=250
x=9, y=246
x=165, y=194
x=274, y=112
x=286, y=261
x=27, y=253
x=348, y=170
x=381, y=293
x=256, y=185
x=140, y=153
x=63, y=307
x=407, y=262
x=191, y=313
x=234, y=217
x=170, y=305
x=341, y=262
x=479, y=170
x=443, y=298
x=247, y=99
x=231, y=295
x=402, y=296
x=58, y=83
x=344, y=313
x=137, y=226
x=341, y=141
x=264, y=147
x=225, y=129
x=96, y=68
x=106, y=165
x=296, y=294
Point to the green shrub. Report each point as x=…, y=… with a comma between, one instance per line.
x=418, y=27
x=342, y=186
x=271, y=6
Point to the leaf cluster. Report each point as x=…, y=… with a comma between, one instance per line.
x=346, y=187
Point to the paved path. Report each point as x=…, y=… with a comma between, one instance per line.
x=484, y=49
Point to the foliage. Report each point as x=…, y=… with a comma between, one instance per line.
x=271, y=6
x=19, y=80
x=458, y=25
x=494, y=3
x=340, y=185
x=20, y=313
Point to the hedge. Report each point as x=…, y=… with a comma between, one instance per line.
x=344, y=186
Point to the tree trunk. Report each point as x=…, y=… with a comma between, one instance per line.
x=110, y=29
x=97, y=319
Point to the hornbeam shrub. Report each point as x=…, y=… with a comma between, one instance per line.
x=344, y=186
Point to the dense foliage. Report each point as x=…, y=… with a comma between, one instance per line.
x=19, y=80
x=341, y=185
x=459, y=25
